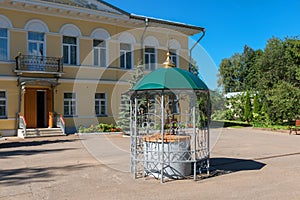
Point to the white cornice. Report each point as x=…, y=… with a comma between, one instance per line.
x=8, y=78
x=65, y=11
x=93, y=81
x=68, y=8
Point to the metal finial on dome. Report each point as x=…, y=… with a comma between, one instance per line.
x=168, y=63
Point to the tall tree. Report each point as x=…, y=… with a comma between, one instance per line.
x=249, y=71
x=247, y=108
x=217, y=101
x=284, y=100
x=137, y=74
x=256, y=106
x=272, y=65
x=231, y=74
x=194, y=68
x=124, y=113
x=273, y=73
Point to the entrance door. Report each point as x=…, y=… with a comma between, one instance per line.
x=30, y=108
x=38, y=104
x=41, y=109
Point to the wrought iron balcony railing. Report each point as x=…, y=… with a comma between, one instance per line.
x=39, y=64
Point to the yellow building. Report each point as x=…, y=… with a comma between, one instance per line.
x=74, y=58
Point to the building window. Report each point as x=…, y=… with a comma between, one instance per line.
x=3, y=44
x=125, y=56
x=3, y=102
x=69, y=104
x=150, y=58
x=36, y=43
x=70, y=50
x=173, y=56
x=99, y=47
x=100, y=104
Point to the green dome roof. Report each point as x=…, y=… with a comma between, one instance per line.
x=169, y=79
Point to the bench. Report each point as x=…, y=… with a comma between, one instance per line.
x=295, y=128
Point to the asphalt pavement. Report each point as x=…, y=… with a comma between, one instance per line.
x=246, y=164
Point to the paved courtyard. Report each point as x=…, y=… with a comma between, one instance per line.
x=247, y=164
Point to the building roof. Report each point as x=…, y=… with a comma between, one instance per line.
x=100, y=5
x=170, y=79
x=233, y=94
x=152, y=19
x=90, y=4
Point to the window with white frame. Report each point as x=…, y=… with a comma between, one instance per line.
x=3, y=44
x=70, y=106
x=125, y=56
x=150, y=58
x=70, y=50
x=99, y=48
x=3, y=103
x=36, y=43
x=100, y=104
x=173, y=56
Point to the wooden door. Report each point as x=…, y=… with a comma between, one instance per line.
x=49, y=104
x=30, y=107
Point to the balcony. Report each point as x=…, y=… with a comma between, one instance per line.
x=38, y=65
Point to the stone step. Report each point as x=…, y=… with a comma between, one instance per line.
x=40, y=132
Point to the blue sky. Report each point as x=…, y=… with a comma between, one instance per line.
x=229, y=24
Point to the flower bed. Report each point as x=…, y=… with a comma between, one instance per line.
x=99, y=128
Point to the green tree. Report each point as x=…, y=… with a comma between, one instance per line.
x=264, y=118
x=250, y=73
x=256, y=108
x=217, y=104
x=124, y=109
x=272, y=65
x=278, y=78
x=194, y=68
x=284, y=101
x=247, y=108
x=229, y=74
x=137, y=74
x=238, y=73
x=124, y=114
x=273, y=73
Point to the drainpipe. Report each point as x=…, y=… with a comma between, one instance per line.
x=203, y=34
x=142, y=40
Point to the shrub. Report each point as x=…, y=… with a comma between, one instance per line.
x=99, y=128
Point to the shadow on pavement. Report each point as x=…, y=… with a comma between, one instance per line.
x=6, y=154
x=21, y=176
x=38, y=142
x=221, y=166
x=278, y=156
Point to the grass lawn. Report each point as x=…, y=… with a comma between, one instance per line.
x=239, y=124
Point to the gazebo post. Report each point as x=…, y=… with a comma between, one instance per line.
x=195, y=135
x=208, y=134
x=162, y=136
x=131, y=134
x=135, y=135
